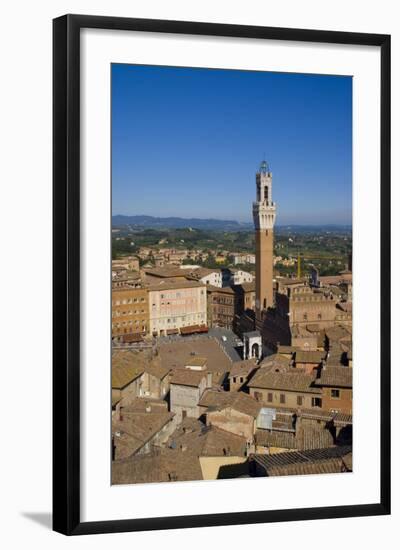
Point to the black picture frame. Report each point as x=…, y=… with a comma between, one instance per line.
x=66, y=273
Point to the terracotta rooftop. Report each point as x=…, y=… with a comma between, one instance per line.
x=165, y=272
x=246, y=287
x=337, y=333
x=136, y=429
x=275, y=360
x=293, y=381
x=223, y=290
x=175, y=354
x=240, y=401
x=339, y=376
x=124, y=375
x=129, y=364
x=208, y=441
x=273, y=438
x=310, y=356
x=163, y=465
x=156, y=369
x=242, y=368
x=203, y=271
x=187, y=377
x=174, y=285
x=317, y=461
x=287, y=349
x=143, y=404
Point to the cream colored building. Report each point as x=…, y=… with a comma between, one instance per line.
x=173, y=305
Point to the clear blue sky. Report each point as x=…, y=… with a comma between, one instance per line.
x=187, y=142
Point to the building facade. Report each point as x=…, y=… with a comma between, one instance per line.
x=130, y=311
x=186, y=388
x=221, y=306
x=264, y=221
x=174, y=305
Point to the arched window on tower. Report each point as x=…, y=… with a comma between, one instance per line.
x=266, y=193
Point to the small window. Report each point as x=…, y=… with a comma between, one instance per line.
x=299, y=400
x=282, y=398
x=270, y=398
x=316, y=402
x=241, y=380
x=335, y=394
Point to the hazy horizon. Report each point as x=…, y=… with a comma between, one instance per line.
x=250, y=221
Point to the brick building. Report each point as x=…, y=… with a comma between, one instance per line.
x=220, y=306
x=130, y=311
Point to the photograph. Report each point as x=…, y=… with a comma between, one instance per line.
x=231, y=275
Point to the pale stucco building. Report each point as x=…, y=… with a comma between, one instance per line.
x=177, y=304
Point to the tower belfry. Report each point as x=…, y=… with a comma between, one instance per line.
x=264, y=221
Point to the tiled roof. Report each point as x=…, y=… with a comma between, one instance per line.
x=337, y=333
x=317, y=461
x=240, y=401
x=156, y=369
x=166, y=284
x=136, y=429
x=246, y=287
x=223, y=290
x=289, y=381
x=127, y=365
x=267, y=438
x=203, y=271
x=215, y=398
x=163, y=465
x=165, y=272
x=208, y=441
x=187, y=377
x=305, y=437
x=310, y=437
x=124, y=375
x=287, y=349
x=242, y=368
x=143, y=404
x=309, y=356
x=175, y=353
x=339, y=376
x=275, y=360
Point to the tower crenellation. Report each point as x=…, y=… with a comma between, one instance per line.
x=264, y=206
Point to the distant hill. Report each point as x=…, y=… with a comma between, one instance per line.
x=328, y=228
x=177, y=223
x=152, y=222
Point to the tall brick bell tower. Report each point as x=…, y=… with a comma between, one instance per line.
x=264, y=220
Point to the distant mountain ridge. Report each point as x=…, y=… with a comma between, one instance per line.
x=178, y=223
x=214, y=224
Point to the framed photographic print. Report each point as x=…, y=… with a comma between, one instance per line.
x=221, y=274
